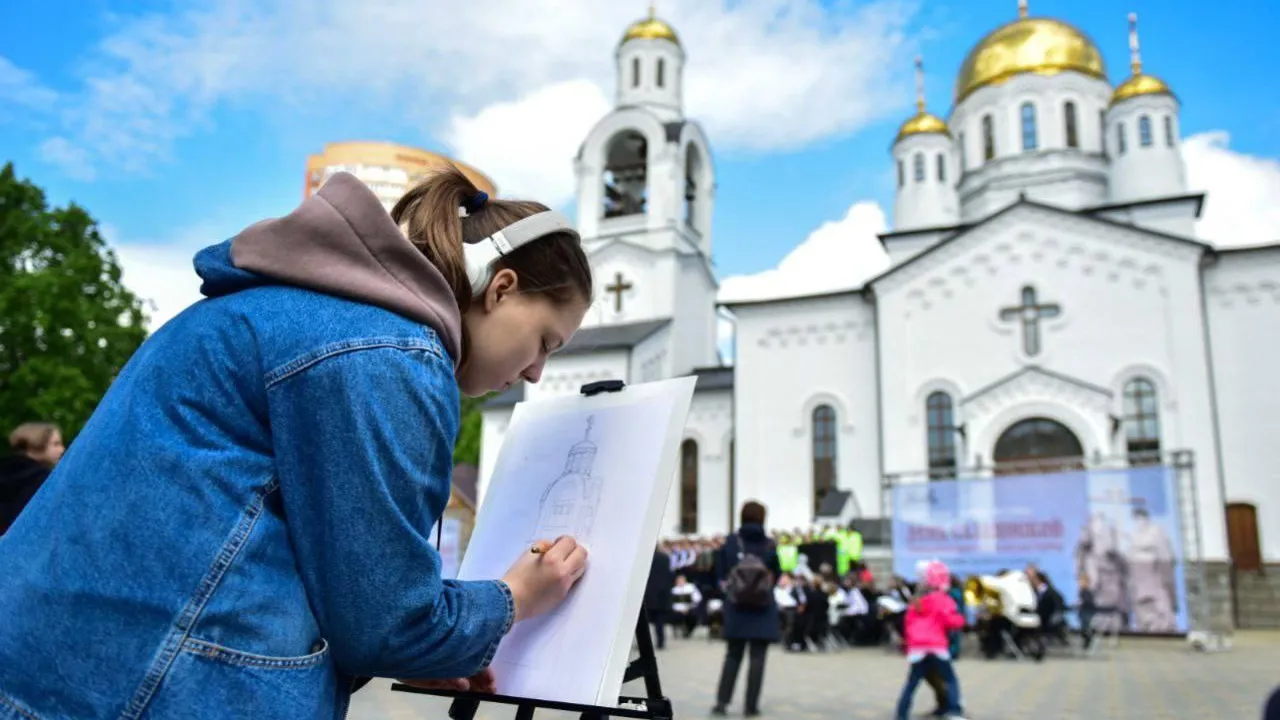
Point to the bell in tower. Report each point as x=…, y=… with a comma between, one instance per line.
x=625, y=175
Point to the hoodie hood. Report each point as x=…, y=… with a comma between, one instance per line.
x=342, y=242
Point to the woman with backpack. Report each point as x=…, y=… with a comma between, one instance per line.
x=747, y=569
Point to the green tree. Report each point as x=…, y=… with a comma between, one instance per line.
x=67, y=322
x=467, y=448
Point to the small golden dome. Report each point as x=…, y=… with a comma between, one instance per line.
x=922, y=122
x=1028, y=45
x=1142, y=84
x=1139, y=83
x=650, y=28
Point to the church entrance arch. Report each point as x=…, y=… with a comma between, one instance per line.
x=1037, y=444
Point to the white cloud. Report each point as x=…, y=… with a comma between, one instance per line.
x=73, y=160
x=19, y=87
x=161, y=274
x=1242, y=206
x=528, y=144
x=762, y=74
x=839, y=255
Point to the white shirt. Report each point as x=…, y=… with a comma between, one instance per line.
x=784, y=597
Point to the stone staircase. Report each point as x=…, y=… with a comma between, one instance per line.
x=1258, y=598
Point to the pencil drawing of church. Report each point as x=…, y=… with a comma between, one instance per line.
x=568, y=505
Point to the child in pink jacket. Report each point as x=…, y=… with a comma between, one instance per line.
x=931, y=615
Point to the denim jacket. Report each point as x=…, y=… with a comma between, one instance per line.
x=243, y=525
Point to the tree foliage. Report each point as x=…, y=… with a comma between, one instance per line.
x=467, y=448
x=67, y=322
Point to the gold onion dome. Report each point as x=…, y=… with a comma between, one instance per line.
x=1139, y=83
x=650, y=28
x=1028, y=45
x=923, y=121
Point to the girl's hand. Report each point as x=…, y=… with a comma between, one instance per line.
x=481, y=682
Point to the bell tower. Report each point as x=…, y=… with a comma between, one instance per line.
x=646, y=187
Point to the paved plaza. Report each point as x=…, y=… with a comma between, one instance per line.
x=1138, y=679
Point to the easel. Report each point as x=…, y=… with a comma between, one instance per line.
x=654, y=706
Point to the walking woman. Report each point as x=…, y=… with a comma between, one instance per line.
x=241, y=529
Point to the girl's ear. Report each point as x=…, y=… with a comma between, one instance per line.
x=504, y=283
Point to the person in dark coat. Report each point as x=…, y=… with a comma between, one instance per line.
x=36, y=448
x=657, y=596
x=747, y=629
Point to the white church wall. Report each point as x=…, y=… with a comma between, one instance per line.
x=1243, y=300
x=566, y=374
x=694, y=326
x=1129, y=298
x=792, y=356
x=651, y=359
x=710, y=425
x=1052, y=172
x=651, y=276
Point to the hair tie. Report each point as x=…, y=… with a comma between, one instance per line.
x=476, y=202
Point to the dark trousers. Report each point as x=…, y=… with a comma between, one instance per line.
x=755, y=672
x=919, y=671
x=658, y=619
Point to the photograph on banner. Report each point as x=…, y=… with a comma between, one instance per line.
x=1117, y=529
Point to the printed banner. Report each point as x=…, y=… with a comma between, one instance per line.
x=1116, y=530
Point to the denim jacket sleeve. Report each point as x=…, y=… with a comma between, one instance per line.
x=364, y=439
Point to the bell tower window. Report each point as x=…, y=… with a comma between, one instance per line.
x=660, y=75
x=635, y=72
x=1144, y=131
x=625, y=175
x=1029, y=143
x=692, y=169
x=917, y=167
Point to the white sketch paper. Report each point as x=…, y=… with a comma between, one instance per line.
x=598, y=469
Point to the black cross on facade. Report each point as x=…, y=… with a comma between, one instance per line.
x=1030, y=313
x=618, y=287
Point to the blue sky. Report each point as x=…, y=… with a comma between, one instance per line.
x=176, y=124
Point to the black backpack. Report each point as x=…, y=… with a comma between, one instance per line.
x=749, y=583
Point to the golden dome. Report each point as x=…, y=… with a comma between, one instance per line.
x=1141, y=84
x=922, y=122
x=1028, y=45
x=650, y=28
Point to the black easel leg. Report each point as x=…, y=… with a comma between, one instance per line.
x=461, y=709
x=524, y=712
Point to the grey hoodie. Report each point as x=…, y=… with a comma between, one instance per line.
x=342, y=242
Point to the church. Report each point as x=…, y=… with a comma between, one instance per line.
x=1048, y=300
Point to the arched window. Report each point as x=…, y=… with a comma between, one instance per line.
x=941, y=436
x=626, y=175
x=1120, y=138
x=1028, y=127
x=692, y=169
x=1141, y=422
x=659, y=76
x=1168, y=130
x=635, y=72
x=964, y=155
x=917, y=167
x=824, y=453
x=1144, y=131
x=942, y=168
x=689, y=486
x=1069, y=119
x=988, y=138
x=902, y=175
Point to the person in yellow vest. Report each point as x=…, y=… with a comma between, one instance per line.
x=788, y=552
x=853, y=545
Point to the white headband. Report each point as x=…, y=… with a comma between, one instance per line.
x=480, y=256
